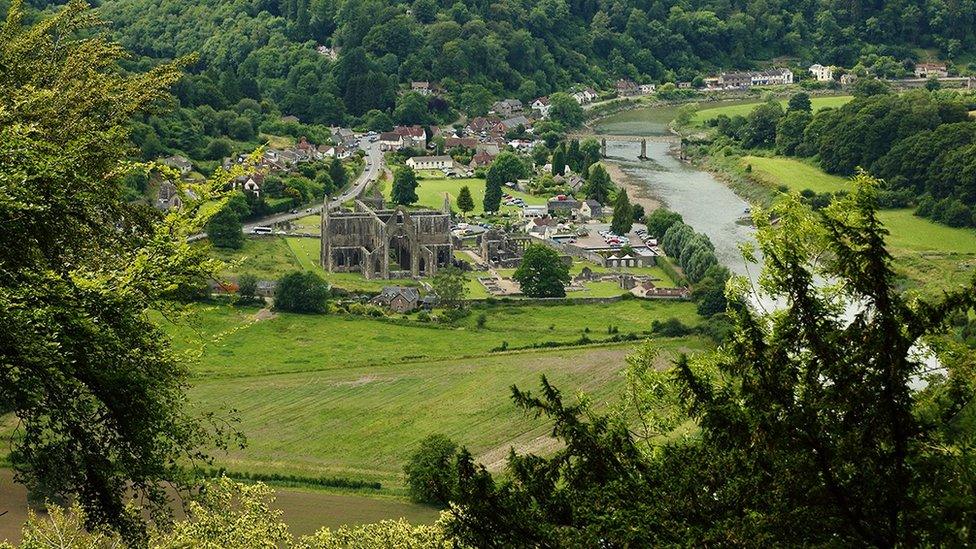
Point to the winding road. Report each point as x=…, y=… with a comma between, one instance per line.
x=374, y=166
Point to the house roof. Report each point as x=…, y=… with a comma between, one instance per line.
x=390, y=136
x=408, y=293
x=515, y=121
x=466, y=142
x=412, y=131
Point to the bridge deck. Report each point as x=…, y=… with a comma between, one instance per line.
x=631, y=138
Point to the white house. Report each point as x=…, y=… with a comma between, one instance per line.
x=647, y=89
x=430, y=162
x=541, y=106
x=390, y=141
x=822, y=73
x=585, y=96
x=180, y=163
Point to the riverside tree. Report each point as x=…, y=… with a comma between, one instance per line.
x=96, y=390
x=542, y=273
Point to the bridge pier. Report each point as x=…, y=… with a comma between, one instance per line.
x=643, y=154
x=603, y=148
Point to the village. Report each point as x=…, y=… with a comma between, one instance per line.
x=362, y=232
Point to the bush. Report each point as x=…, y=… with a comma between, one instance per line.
x=431, y=470
x=671, y=327
x=302, y=292
x=247, y=287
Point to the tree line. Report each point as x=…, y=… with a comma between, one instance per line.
x=920, y=142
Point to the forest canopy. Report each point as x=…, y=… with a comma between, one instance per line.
x=337, y=61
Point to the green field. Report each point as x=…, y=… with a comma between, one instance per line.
x=268, y=258
x=430, y=191
x=344, y=395
x=795, y=174
x=744, y=108
x=930, y=256
x=910, y=232
x=304, y=511
x=230, y=338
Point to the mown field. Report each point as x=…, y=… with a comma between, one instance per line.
x=230, y=339
x=431, y=190
x=795, y=174
x=351, y=396
x=930, y=256
x=744, y=108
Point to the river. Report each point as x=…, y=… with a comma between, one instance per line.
x=703, y=201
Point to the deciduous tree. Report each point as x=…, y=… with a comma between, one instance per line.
x=542, y=273
x=95, y=389
x=404, y=186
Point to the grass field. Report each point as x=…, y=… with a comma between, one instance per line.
x=430, y=191
x=930, y=256
x=350, y=396
x=363, y=421
x=743, y=109
x=304, y=511
x=268, y=258
x=229, y=339
x=915, y=233
x=795, y=174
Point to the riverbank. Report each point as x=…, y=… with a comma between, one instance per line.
x=637, y=191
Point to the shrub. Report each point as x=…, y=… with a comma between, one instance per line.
x=302, y=292
x=671, y=327
x=431, y=476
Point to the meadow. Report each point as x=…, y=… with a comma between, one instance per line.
x=363, y=421
x=304, y=511
x=739, y=108
x=795, y=174
x=228, y=339
x=350, y=396
x=931, y=257
x=268, y=258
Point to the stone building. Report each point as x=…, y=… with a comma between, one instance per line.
x=386, y=243
x=502, y=249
